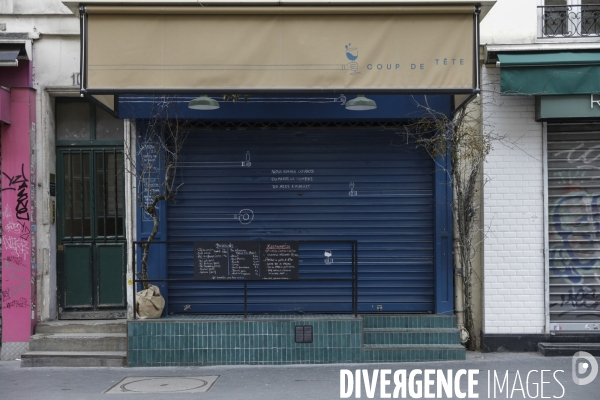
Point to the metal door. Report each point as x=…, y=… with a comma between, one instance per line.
x=91, y=232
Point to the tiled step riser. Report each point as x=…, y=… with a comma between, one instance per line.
x=78, y=344
x=205, y=342
x=413, y=355
x=409, y=321
x=417, y=338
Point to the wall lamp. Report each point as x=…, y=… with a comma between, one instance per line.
x=361, y=103
x=203, y=103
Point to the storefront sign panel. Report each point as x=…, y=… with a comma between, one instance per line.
x=279, y=52
x=568, y=107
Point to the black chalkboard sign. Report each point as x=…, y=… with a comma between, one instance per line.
x=278, y=260
x=246, y=260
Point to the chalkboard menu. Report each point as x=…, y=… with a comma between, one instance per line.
x=279, y=260
x=246, y=260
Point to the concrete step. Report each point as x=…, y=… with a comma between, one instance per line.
x=411, y=352
x=78, y=342
x=81, y=326
x=74, y=359
x=409, y=321
x=406, y=336
x=568, y=349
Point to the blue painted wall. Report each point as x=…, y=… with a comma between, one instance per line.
x=169, y=262
x=294, y=108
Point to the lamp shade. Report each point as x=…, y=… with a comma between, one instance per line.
x=203, y=103
x=361, y=103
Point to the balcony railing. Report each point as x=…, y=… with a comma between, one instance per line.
x=570, y=21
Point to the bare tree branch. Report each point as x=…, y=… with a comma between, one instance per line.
x=155, y=165
x=467, y=141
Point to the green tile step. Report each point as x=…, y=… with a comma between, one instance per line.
x=411, y=353
x=416, y=336
x=413, y=347
x=410, y=330
x=409, y=321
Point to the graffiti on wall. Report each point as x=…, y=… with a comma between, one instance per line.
x=16, y=240
x=16, y=232
x=149, y=165
x=574, y=233
x=18, y=219
x=20, y=184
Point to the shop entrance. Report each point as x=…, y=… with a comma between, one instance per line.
x=90, y=215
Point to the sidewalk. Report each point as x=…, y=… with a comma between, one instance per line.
x=306, y=382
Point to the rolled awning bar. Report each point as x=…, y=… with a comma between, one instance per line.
x=288, y=10
x=485, y=5
x=548, y=59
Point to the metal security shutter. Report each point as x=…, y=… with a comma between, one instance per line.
x=574, y=222
x=317, y=185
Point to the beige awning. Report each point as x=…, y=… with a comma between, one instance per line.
x=398, y=49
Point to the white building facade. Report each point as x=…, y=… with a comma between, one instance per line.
x=541, y=250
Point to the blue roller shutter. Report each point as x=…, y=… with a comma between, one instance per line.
x=308, y=185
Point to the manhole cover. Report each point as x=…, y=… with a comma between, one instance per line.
x=164, y=384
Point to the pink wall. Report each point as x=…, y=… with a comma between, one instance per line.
x=18, y=257
x=4, y=106
x=20, y=76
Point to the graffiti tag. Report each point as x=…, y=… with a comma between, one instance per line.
x=9, y=266
x=18, y=289
x=576, y=233
x=19, y=228
x=20, y=181
x=18, y=245
x=575, y=229
x=15, y=277
x=584, y=158
x=14, y=259
x=13, y=227
x=585, y=297
x=21, y=303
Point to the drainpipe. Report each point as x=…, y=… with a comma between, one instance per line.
x=459, y=297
